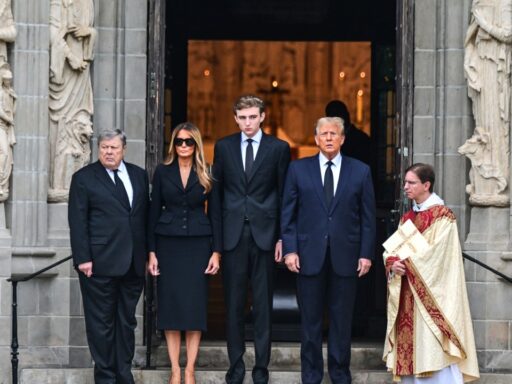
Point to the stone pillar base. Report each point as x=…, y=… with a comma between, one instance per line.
x=488, y=229
x=58, y=228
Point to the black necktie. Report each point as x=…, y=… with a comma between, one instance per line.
x=121, y=190
x=328, y=184
x=249, y=157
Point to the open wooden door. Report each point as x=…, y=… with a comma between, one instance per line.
x=155, y=84
x=404, y=96
x=154, y=140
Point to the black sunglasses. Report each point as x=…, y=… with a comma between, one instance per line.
x=178, y=141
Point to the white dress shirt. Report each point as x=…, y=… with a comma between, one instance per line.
x=256, y=140
x=335, y=167
x=122, y=172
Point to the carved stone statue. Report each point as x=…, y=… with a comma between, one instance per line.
x=72, y=152
x=72, y=39
x=7, y=28
x=487, y=65
x=7, y=139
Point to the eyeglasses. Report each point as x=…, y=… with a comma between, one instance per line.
x=178, y=141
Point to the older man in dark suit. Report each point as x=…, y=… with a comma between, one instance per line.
x=249, y=169
x=107, y=219
x=328, y=231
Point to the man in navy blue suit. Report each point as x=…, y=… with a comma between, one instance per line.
x=328, y=233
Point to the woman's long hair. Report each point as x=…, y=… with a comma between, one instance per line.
x=198, y=162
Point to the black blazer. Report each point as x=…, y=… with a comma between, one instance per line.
x=102, y=229
x=258, y=197
x=178, y=211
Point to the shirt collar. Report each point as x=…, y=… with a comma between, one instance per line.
x=121, y=168
x=256, y=138
x=432, y=200
x=336, y=160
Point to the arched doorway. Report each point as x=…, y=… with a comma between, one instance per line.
x=195, y=29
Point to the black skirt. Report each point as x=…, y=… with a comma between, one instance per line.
x=182, y=285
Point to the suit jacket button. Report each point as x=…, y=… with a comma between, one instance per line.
x=184, y=227
x=330, y=218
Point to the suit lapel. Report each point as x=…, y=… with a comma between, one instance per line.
x=345, y=171
x=316, y=179
x=260, y=155
x=175, y=176
x=236, y=153
x=192, y=179
x=104, y=178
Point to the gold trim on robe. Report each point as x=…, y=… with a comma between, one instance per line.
x=429, y=321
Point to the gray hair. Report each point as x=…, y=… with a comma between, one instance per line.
x=109, y=134
x=337, y=121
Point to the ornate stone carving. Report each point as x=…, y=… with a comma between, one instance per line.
x=72, y=39
x=72, y=152
x=7, y=98
x=7, y=28
x=487, y=65
x=7, y=139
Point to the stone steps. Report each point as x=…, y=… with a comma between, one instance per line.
x=160, y=376
x=284, y=356
x=85, y=376
x=367, y=367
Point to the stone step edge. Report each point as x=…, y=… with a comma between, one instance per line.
x=155, y=376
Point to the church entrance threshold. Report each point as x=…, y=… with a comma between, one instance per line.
x=297, y=56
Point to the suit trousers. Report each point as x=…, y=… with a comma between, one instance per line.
x=109, y=311
x=247, y=263
x=313, y=293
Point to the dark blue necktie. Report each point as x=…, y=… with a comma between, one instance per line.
x=249, y=157
x=328, y=184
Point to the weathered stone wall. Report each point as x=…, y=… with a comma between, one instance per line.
x=51, y=327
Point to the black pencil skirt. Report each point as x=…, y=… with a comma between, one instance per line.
x=182, y=285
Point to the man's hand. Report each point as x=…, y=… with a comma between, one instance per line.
x=398, y=268
x=86, y=268
x=364, y=266
x=153, y=264
x=292, y=262
x=278, y=252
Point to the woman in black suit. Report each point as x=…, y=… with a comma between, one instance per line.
x=184, y=245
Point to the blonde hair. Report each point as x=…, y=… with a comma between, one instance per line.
x=337, y=121
x=198, y=160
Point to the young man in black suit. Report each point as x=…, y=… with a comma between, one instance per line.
x=249, y=170
x=107, y=219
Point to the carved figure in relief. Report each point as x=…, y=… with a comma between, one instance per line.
x=7, y=139
x=7, y=28
x=72, y=39
x=487, y=65
x=73, y=151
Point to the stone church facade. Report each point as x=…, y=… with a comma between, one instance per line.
x=436, y=113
